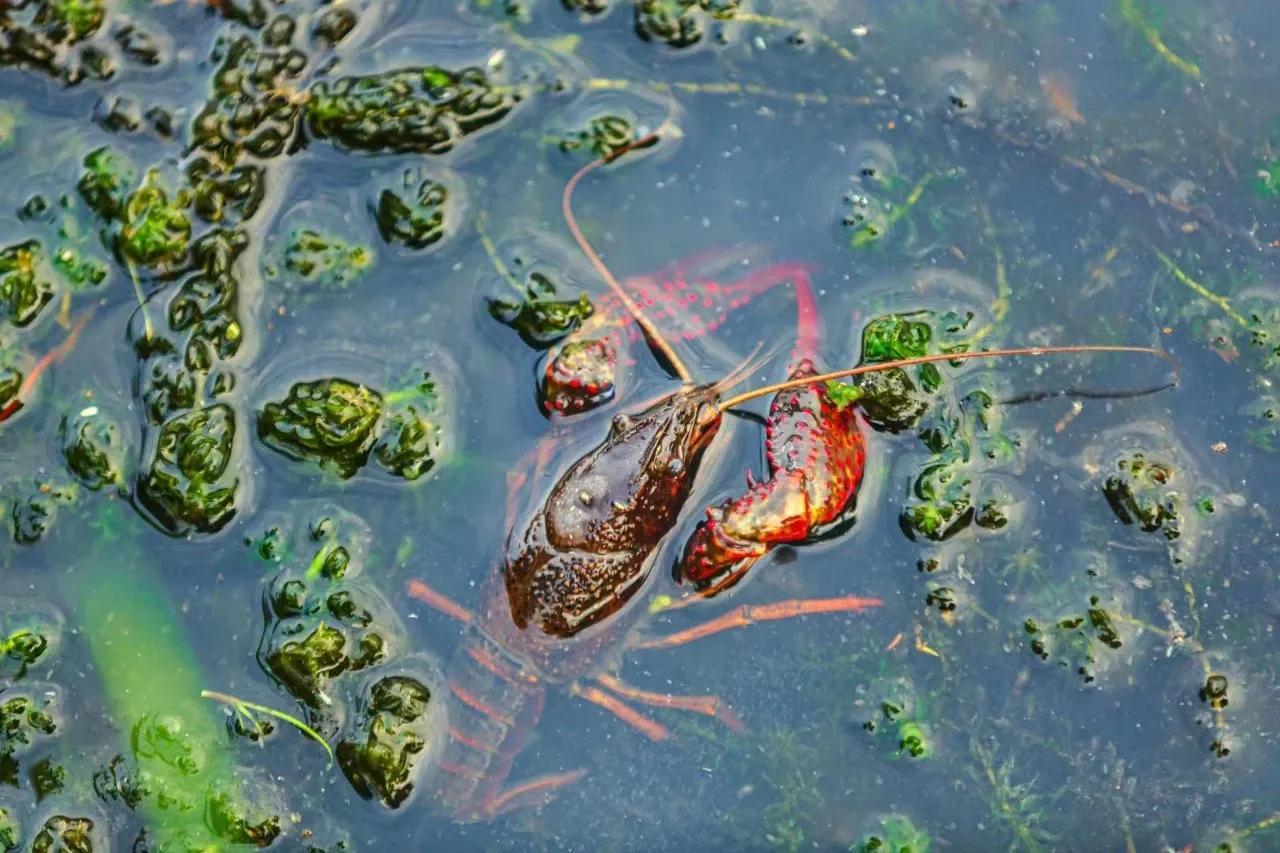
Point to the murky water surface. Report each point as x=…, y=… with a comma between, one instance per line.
x=278, y=284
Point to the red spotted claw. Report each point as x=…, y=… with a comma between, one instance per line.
x=816, y=451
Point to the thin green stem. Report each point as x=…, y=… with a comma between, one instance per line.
x=148, y=329
x=1133, y=15
x=491, y=250
x=864, y=237
x=1197, y=287
x=243, y=707
x=820, y=37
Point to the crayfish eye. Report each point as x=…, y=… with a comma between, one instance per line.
x=675, y=465
x=621, y=422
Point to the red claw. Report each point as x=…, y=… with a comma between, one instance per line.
x=815, y=452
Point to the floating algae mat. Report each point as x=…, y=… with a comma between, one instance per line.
x=307, y=306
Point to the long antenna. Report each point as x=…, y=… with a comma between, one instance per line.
x=928, y=359
x=651, y=332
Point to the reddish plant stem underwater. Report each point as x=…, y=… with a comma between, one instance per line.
x=29, y=383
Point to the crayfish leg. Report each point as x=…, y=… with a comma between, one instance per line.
x=750, y=614
x=531, y=794
x=651, y=729
x=710, y=705
x=529, y=468
x=419, y=591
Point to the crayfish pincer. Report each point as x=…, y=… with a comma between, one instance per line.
x=586, y=552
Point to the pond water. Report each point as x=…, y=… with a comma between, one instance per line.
x=279, y=283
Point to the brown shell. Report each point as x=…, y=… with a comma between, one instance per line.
x=584, y=554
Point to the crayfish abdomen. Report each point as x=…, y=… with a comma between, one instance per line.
x=588, y=550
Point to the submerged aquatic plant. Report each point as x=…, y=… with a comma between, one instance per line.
x=325, y=260
x=190, y=483
x=604, y=136
x=94, y=449
x=895, y=833
x=891, y=399
x=155, y=231
x=323, y=623
x=413, y=434
x=26, y=719
x=539, y=318
x=680, y=23
x=1266, y=181
x=1138, y=15
x=1144, y=493
x=1073, y=641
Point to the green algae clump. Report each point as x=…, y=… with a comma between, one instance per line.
x=895, y=834
x=25, y=287
x=188, y=485
x=25, y=721
x=104, y=180
x=383, y=756
x=10, y=831
x=331, y=422
x=539, y=318
x=1141, y=492
x=94, y=450
x=242, y=811
x=321, y=623
x=63, y=833
x=891, y=399
x=680, y=23
x=604, y=136
x=72, y=21
x=410, y=444
x=1072, y=641
x=156, y=231
x=413, y=217
x=424, y=110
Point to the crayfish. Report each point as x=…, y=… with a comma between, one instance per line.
x=556, y=609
